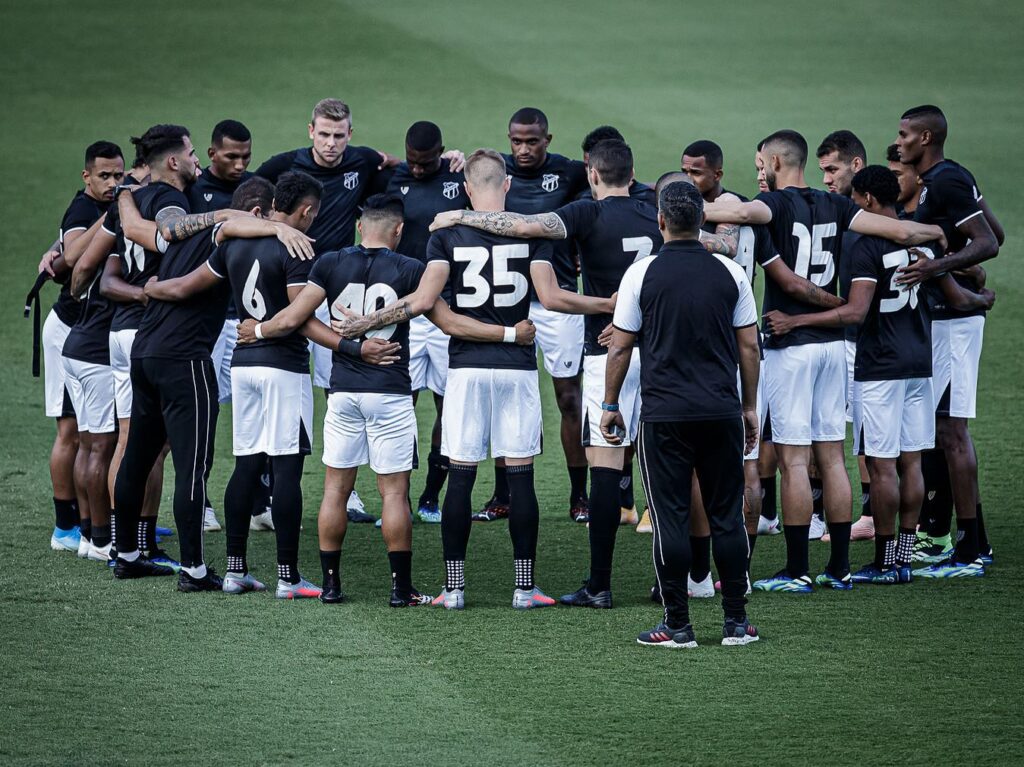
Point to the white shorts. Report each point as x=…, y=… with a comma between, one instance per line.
x=956, y=357
x=893, y=417
x=560, y=338
x=593, y=396
x=55, y=333
x=754, y=454
x=91, y=388
x=500, y=408
x=223, y=351
x=323, y=359
x=806, y=390
x=851, y=361
x=365, y=427
x=121, y=363
x=428, y=356
x=272, y=411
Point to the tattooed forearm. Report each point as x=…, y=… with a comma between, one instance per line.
x=357, y=327
x=723, y=241
x=812, y=294
x=176, y=226
x=547, y=225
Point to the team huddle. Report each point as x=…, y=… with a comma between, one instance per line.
x=184, y=287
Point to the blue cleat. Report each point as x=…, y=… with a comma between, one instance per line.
x=904, y=573
x=987, y=557
x=952, y=569
x=674, y=639
x=839, y=584
x=931, y=551
x=429, y=512
x=162, y=558
x=871, y=573
x=65, y=540
x=784, y=582
x=166, y=532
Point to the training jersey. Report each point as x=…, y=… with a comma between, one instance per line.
x=490, y=282
x=753, y=243
x=138, y=263
x=184, y=330
x=806, y=229
x=541, y=190
x=80, y=215
x=422, y=199
x=346, y=185
x=89, y=339
x=894, y=341
x=610, y=235
x=684, y=305
x=210, y=193
x=637, y=191
x=950, y=198
x=364, y=280
x=260, y=272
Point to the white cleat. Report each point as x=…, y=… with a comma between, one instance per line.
x=264, y=521
x=453, y=599
x=210, y=523
x=703, y=590
x=818, y=528
x=355, y=504
x=83, y=547
x=767, y=526
x=239, y=583
x=98, y=553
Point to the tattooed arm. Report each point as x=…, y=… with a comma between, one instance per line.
x=176, y=225
x=723, y=241
x=544, y=225
x=798, y=287
x=405, y=308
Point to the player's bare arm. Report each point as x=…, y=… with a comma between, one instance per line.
x=114, y=286
x=405, y=308
x=981, y=246
x=135, y=227
x=543, y=225
x=798, y=287
x=851, y=313
x=906, y=233
x=750, y=369
x=555, y=299
x=95, y=254
x=289, y=319
x=737, y=212
x=74, y=248
x=724, y=241
x=620, y=351
x=468, y=329
x=175, y=225
x=247, y=226
x=179, y=288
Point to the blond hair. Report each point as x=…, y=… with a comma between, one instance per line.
x=332, y=109
x=485, y=168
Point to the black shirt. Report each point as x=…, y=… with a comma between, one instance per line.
x=637, y=191
x=261, y=271
x=80, y=215
x=895, y=339
x=139, y=264
x=542, y=190
x=211, y=193
x=610, y=235
x=806, y=229
x=849, y=243
x=423, y=199
x=753, y=243
x=490, y=280
x=89, y=339
x=345, y=186
x=183, y=330
x=364, y=280
x=685, y=305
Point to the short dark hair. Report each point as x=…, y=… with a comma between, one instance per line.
x=231, y=129
x=108, y=150
x=256, y=192
x=709, y=150
x=682, y=206
x=667, y=178
x=878, y=181
x=613, y=161
x=382, y=207
x=791, y=144
x=293, y=188
x=530, y=116
x=423, y=136
x=892, y=153
x=602, y=133
x=160, y=141
x=845, y=143
x=930, y=117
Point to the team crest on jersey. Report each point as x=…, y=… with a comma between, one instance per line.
x=405, y=189
x=450, y=190
x=207, y=196
x=924, y=193
x=550, y=182
x=351, y=180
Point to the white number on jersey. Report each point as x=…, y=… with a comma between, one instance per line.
x=357, y=298
x=476, y=258
x=810, y=253
x=745, y=252
x=642, y=246
x=904, y=296
x=255, y=306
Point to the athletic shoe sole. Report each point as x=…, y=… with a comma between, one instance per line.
x=739, y=641
x=670, y=644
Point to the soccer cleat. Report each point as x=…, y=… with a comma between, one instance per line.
x=166, y=532
x=579, y=511
x=784, y=582
x=65, y=540
x=409, y=598
x=674, y=639
x=863, y=529
x=492, y=510
x=357, y=511
x=703, y=590
x=584, y=597
x=450, y=599
x=904, y=574
x=240, y=583
x=99, y=553
x=817, y=528
x=523, y=599
x=429, y=512
x=881, y=576
x=162, y=558
x=261, y=522
x=767, y=526
x=952, y=569
x=331, y=593
x=301, y=590
x=827, y=579
x=628, y=516
x=83, y=546
x=644, y=525
x=987, y=557
x=735, y=633
x=188, y=584
x=210, y=523
x=931, y=551
x=139, y=568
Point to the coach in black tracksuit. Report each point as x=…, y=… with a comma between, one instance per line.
x=693, y=314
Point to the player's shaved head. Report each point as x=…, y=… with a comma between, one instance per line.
x=879, y=182
x=485, y=169
x=613, y=161
x=530, y=116
x=928, y=117
x=788, y=145
x=382, y=210
x=668, y=178
x=256, y=192
x=423, y=136
x=681, y=206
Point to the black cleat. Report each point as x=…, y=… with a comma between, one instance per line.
x=656, y=594
x=139, y=568
x=411, y=598
x=360, y=517
x=209, y=582
x=492, y=511
x=584, y=597
x=331, y=593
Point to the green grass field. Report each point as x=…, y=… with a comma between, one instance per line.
x=94, y=671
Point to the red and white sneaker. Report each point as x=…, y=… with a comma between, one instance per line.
x=523, y=599
x=301, y=590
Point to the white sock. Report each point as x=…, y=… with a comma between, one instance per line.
x=128, y=556
x=196, y=572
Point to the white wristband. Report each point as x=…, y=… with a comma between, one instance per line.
x=510, y=336
x=258, y=330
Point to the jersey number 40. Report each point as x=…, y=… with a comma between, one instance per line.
x=360, y=299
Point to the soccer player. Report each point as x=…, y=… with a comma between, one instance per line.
x=804, y=224
x=950, y=199
x=893, y=404
x=426, y=186
x=637, y=190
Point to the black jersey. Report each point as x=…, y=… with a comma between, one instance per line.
x=89, y=339
x=184, y=330
x=80, y=215
x=261, y=271
x=140, y=264
x=346, y=185
x=637, y=191
x=610, y=235
x=364, y=280
x=806, y=229
x=849, y=243
x=950, y=198
x=542, y=190
x=753, y=243
x=895, y=339
x=490, y=282
x=424, y=198
x=211, y=193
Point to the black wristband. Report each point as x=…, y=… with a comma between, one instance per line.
x=350, y=348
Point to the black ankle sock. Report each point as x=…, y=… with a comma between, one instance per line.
x=983, y=544
x=437, y=473
x=85, y=526
x=501, y=484
x=330, y=565
x=839, y=554
x=289, y=572
x=626, y=497
x=885, y=551
x=700, y=557
x=865, y=499
x=401, y=570
x=818, y=496
x=65, y=514
x=577, y=483
x=769, y=509
x=456, y=511
x=237, y=564
x=523, y=514
x=796, y=549
x=905, y=545
x=101, y=536
x=147, y=533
